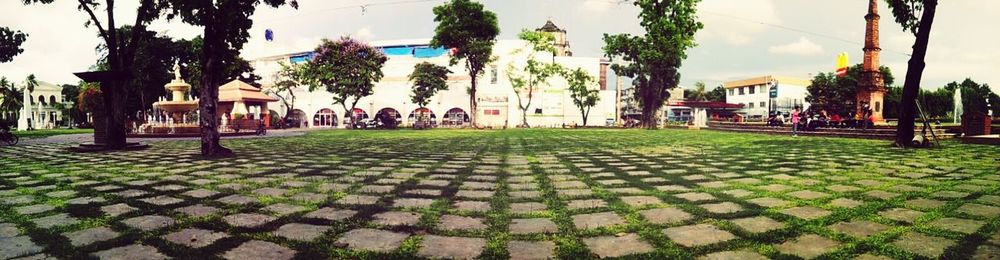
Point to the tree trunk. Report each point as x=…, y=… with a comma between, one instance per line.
x=209, y=103
x=585, y=114
x=113, y=101
x=349, y=113
x=914, y=73
x=524, y=110
x=472, y=99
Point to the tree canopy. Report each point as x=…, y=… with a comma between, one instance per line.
x=699, y=93
x=470, y=32
x=347, y=68
x=582, y=91
x=10, y=43
x=653, y=59
x=838, y=95
x=428, y=78
x=286, y=81
x=534, y=73
x=226, y=24
x=121, y=47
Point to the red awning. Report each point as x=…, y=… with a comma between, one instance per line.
x=707, y=104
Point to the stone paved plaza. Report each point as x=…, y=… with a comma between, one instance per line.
x=518, y=194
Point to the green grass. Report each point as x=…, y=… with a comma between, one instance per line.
x=42, y=133
x=686, y=158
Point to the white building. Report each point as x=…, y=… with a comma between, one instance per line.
x=40, y=109
x=551, y=105
x=756, y=97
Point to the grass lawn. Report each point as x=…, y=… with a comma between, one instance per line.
x=42, y=133
x=568, y=194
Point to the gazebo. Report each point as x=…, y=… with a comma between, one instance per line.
x=238, y=97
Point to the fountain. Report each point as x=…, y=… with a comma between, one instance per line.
x=176, y=109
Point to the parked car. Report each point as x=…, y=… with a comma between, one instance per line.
x=366, y=124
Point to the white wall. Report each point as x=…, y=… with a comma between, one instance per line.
x=394, y=90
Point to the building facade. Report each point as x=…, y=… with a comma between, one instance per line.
x=497, y=107
x=767, y=94
x=41, y=107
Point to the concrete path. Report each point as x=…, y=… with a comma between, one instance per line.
x=82, y=138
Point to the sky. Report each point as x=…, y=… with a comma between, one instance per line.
x=741, y=38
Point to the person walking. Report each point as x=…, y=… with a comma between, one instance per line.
x=795, y=121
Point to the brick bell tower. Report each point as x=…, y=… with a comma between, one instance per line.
x=871, y=87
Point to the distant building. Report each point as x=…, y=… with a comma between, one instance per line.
x=41, y=109
x=561, y=44
x=497, y=107
x=756, y=97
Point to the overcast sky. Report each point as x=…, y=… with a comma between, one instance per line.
x=741, y=38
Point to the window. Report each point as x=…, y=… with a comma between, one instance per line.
x=493, y=74
x=751, y=105
x=752, y=90
x=742, y=91
x=732, y=92
x=762, y=104
x=763, y=88
x=538, y=111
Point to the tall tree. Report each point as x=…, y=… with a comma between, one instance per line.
x=534, y=74
x=234, y=66
x=718, y=94
x=838, y=94
x=976, y=97
x=288, y=78
x=580, y=89
x=699, y=93
x=121, y=48
x=10, y=100
x=470, y=31
x=30, y=82
x=225, y=23
x=916, y=16
x=653, y=60
x=73, y=113
x=428, y=78
x=346, y=68
x=153, y=59
x=10, y=44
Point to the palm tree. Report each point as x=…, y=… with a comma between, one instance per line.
x=699, y=93
x=10, y=98
x=30, y=83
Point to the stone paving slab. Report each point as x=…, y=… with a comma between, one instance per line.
x=617, y=246
x=372, y=240
x=498, y=196
x=807, y=246
x=259, y=250
x=697, y=235
x=451, y=247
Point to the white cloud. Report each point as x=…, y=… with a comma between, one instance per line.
x=364, y=34
x=596, y=5
x=801, y=47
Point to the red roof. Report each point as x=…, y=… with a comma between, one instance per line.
x=240, y=91
x=707, y=104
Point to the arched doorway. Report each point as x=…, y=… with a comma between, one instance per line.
x=431, y=117
x=357, y=114
x=297, y=119
x=391, y=112
x=455, y=117
x=325, y=118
